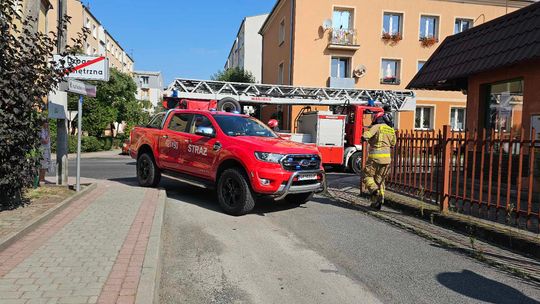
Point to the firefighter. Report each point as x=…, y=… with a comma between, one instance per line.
x=273, y=124
x=381, y=138
x=388, y=118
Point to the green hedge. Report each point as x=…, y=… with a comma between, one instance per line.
x=90, y=143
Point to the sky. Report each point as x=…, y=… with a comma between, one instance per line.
x=180, y=38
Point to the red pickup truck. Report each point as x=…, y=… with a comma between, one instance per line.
x=237, y=155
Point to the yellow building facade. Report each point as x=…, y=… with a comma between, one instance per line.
x=374, y=44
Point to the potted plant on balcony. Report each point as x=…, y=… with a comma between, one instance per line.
x=393, y=38
x=428, y=41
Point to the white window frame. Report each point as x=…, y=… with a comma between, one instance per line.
x=435, y=30
x=461, y=19
x=456, y=117
x=349, y=60
x=400, y=25
x=397, y=72
x=281, y=37
x=431, y=118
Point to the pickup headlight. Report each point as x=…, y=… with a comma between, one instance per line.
x=269, y=157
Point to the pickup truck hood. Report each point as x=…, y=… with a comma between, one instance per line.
x=276, y=145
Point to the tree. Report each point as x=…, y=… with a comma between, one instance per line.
x=27, y=74
x=234, y=75
x=114, y=102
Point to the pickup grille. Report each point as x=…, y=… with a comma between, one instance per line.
x=301, y=162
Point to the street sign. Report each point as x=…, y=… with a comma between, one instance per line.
x=78, y=87
x=84, y=67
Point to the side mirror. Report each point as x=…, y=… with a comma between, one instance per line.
x=205, y=131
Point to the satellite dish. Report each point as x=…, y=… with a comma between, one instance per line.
x=360, y=71
x=327, y=24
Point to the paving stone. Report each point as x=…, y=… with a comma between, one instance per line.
x=74, y=300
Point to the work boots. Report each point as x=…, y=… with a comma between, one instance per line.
x=377, y=200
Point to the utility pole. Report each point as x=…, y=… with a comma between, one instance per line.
x=62, y=127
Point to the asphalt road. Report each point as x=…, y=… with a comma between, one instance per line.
x=316, y=253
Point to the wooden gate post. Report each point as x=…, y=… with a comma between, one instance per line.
x=446, y=167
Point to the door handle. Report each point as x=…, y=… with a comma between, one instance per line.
x=217, y=146
x=164, y=136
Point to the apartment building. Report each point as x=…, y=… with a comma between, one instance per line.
x=149, y=86
x=99, y=42
x=38, y=10
x=247, y=47
x=370, y=44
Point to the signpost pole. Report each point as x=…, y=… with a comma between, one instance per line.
x=79, y=134
x=62, y=128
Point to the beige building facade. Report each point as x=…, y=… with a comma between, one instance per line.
x=375, y=44
x=99, y=42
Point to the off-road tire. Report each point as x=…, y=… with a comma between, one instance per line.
x=299, y=198
x=229, y=104
x=355, y=163
x=234, y=192
x=148, y=174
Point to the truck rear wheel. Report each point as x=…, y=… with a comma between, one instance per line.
x=355, y=163
x=299, y=198
x=234, y=193
x=148, y=173
x=229, y=105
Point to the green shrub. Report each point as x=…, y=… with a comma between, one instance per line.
x=90, y=144
x=106, y=143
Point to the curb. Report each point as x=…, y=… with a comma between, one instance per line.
x=433, y=237
x=12, y=238
x=148, y=290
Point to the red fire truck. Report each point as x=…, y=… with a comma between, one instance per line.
x=337, y=133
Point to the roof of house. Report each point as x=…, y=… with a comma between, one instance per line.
x=505, y=41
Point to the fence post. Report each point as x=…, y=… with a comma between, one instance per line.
x=446, y=167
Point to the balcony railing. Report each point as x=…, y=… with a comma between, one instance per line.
x=390, y=80
x=343, y=38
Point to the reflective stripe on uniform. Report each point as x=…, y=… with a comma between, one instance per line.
x=385, y=155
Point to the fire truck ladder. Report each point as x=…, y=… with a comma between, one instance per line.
x=248, y=93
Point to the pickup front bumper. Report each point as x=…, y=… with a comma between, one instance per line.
x=290, y=188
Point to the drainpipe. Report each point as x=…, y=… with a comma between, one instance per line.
x=291, y=58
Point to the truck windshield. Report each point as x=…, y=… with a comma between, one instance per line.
x=243, y=126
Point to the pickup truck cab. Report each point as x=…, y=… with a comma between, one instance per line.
x=237, y=155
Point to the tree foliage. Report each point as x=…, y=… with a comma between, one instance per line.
x=234, y=75
x=27, y=75
x=114, y=102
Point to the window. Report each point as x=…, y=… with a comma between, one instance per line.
x=94, y=31
x=341, y=67
x=87, y=23
x=423, y=118
x=201, y=121
x=282, y=32
x=281, y=72
x=462, y=25
x=144, y=79
x=390, y=71
x=156, y=121
x=392, y=23
x=429, y=27
x=180, y=122
x=420, y=65
x=457, y=119
x=505, y=106
x=342, y=19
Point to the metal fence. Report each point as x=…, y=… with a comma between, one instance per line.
x=493, y=175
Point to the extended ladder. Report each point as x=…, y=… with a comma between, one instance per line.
x=250, y=93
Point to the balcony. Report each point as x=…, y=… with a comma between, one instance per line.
x=343, y=39
x=341, y=83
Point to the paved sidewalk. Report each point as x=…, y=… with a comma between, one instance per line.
x=346, y=189
x=91, y=252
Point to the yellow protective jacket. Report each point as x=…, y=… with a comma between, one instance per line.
x=381, y=139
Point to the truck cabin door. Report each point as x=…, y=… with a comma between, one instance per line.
x=202, y=147
x=172, y=143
